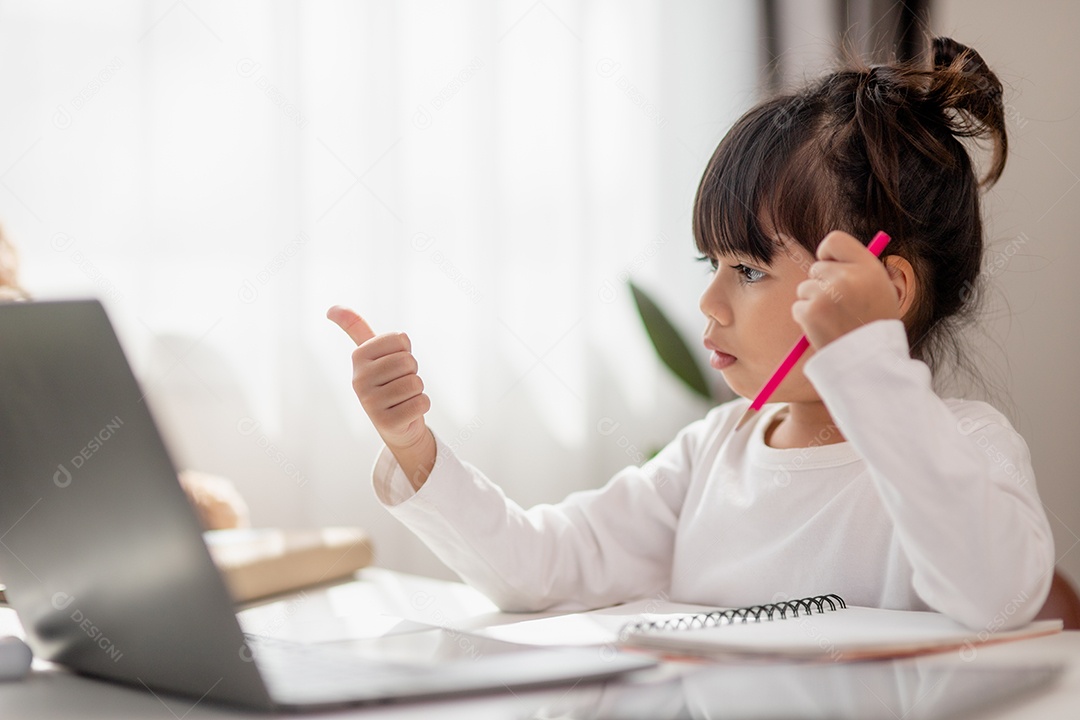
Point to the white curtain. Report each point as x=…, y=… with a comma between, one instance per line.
x=482, y=175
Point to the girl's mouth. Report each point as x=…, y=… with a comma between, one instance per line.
x=720, y=360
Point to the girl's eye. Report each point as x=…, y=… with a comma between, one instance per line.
x=747, y=275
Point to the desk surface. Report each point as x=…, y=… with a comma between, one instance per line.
x=363, y=608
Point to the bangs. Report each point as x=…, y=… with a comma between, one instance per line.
x=767, y=178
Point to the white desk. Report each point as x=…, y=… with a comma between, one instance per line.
x=359, y=609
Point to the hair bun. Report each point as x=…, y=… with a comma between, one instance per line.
x=962, y=82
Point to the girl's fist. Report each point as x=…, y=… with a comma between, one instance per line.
x=847, y=288
x=385, y=381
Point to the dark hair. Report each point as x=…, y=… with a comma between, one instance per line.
x=865, y=149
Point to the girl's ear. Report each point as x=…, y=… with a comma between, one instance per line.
x=903, y=279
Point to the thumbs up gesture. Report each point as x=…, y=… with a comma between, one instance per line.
x=390, y=391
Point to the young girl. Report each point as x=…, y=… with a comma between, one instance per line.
x=857, y=479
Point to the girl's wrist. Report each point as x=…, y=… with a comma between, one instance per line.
x=418, y=459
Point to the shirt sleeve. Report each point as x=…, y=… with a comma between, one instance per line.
x=595, y=548
x=956, y=480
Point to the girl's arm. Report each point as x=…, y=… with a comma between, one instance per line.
x=595, y=548
x=954, y=476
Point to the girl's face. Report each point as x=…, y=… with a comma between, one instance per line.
x=749, y=329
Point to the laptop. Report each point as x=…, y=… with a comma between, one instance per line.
x=104, y=559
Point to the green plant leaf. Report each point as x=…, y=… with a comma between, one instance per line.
x=669, y=344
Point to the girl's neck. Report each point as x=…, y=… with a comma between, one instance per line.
x=802, y=424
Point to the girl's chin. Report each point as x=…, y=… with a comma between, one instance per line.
x=749, y=388
x=740, y=386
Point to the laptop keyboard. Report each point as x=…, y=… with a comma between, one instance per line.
x=318, y=674
x=322, y=671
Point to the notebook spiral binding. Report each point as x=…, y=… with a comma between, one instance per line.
x=744, y=614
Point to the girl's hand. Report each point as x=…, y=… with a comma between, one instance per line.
x=392, y=394
x=847, y=288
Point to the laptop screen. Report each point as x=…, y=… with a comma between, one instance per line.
x=101, y=553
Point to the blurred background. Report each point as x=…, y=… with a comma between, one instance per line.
x=486, y=176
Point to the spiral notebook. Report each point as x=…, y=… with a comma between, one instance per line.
x=823, y=627
x=728, y=616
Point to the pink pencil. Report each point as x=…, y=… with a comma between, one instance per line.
x=876, y=246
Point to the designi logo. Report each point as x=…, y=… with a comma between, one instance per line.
x=62, y=476
x=61, y=600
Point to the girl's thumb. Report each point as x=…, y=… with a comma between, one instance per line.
x=356, y=327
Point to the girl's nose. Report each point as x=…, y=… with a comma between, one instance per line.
x=714, y=305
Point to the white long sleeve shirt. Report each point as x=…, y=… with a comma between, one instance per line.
x=928, y=504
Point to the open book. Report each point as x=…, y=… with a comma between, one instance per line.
x=821, y=628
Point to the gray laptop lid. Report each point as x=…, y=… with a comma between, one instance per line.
x=101, y=553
